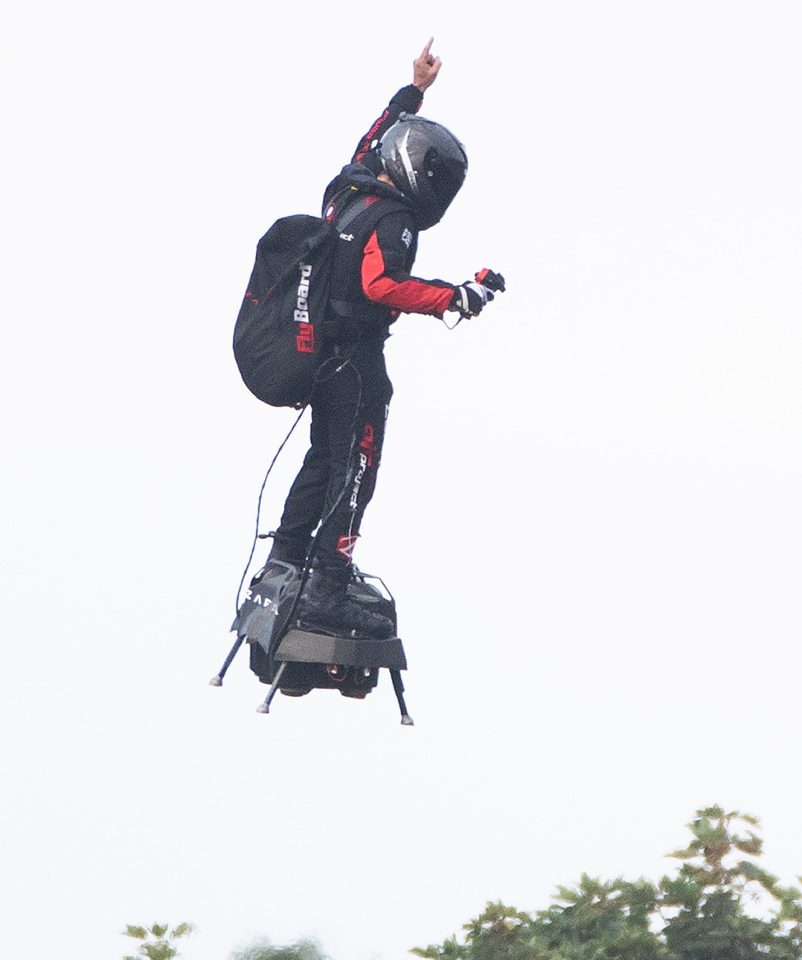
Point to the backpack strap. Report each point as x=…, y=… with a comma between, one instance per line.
x=351, y=212
x=343, y=324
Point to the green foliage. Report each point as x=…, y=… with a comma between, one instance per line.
x=264, y=950
x=448, y=950
x=721, y=905
x=158, y=940
x=711, y=905
x=499, y=933
x=600, y=921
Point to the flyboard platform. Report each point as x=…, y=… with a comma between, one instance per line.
x=295, y=660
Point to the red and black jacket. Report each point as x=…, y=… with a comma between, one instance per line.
x=377, y=251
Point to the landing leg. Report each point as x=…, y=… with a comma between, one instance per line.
x=217, y=681
x=398, y=686
x=265, y=707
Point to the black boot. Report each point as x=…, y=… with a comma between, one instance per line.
x=326, y=606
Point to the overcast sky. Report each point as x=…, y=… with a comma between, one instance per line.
x=588, y=508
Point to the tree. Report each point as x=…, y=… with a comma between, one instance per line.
x=708, y=911
x=592, y=921
x=718, y=891
x=157, y=940
x=499, y=933
x=599, y=920
x=264, y=950
x=720, y=905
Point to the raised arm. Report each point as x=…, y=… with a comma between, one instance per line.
x=425, y=68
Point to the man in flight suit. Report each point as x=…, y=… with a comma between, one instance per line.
x=413, y=168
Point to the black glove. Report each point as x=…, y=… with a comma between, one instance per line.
x=470, y=298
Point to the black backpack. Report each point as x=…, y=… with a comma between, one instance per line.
x=280, y=326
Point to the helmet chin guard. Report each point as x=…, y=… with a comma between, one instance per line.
x=426, y=162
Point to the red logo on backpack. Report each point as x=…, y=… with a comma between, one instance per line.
x=305, y=339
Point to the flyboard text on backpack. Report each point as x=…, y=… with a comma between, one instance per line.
x=305, y=340
x=279, y=333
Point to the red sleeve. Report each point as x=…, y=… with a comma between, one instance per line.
x=401, y=291
x=385, y=278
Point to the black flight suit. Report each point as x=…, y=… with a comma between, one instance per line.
x=372, y=285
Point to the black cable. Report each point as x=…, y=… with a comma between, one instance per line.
x=319, y=378
x=259, y=502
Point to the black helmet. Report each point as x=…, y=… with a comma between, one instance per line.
x=426, y=163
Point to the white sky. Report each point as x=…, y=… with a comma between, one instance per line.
x=589, y=505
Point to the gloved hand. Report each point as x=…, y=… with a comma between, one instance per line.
x=470, y=298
